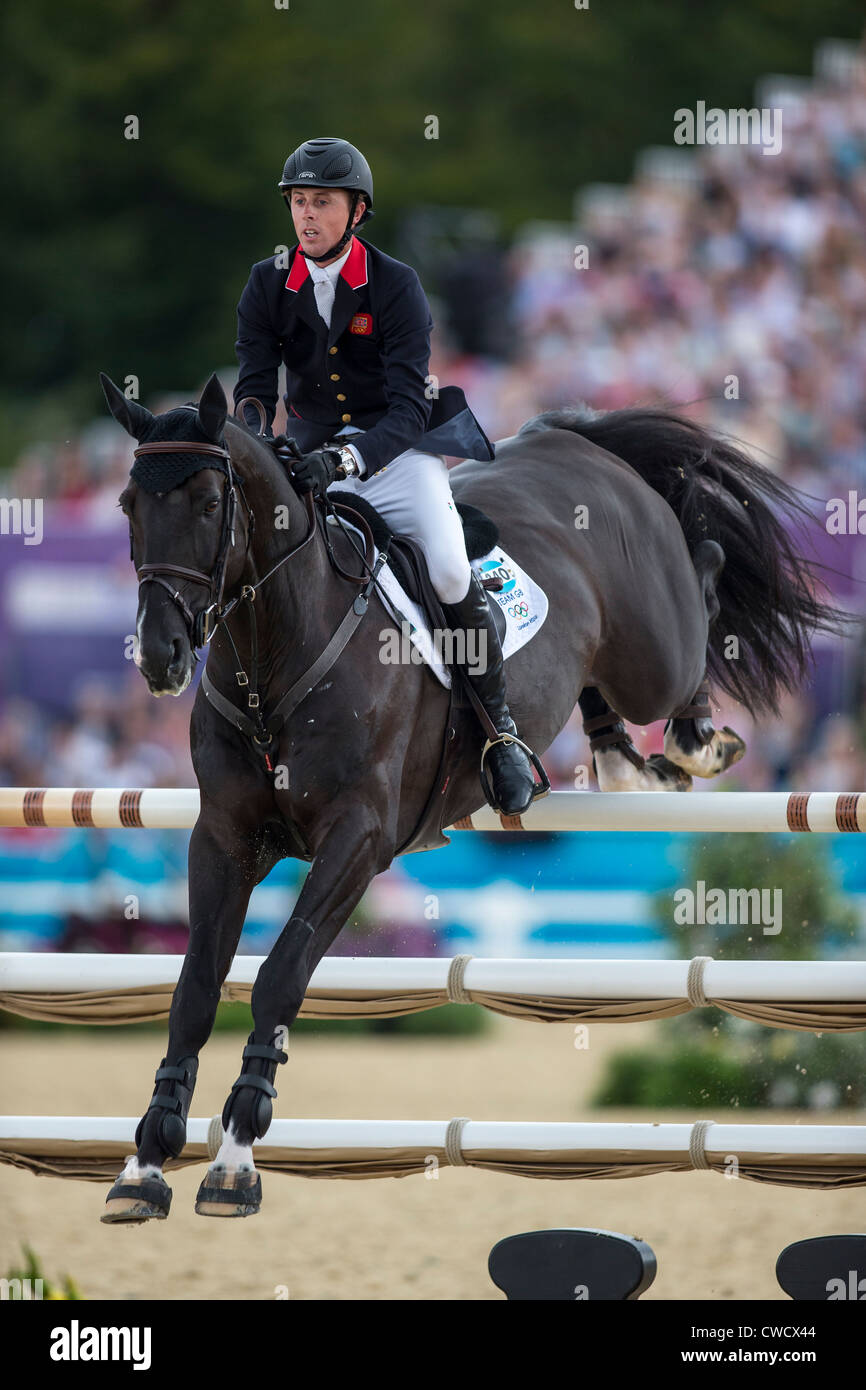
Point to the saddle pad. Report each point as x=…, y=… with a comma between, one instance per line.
x=522, y=601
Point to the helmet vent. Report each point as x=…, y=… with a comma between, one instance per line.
x=339, y=167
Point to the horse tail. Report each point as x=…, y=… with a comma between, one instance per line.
x=770, y=596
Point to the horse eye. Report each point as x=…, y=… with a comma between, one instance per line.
x=211, y=507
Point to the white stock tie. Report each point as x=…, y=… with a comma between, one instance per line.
x=325, y=296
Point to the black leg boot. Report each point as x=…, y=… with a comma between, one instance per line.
x=513, y=783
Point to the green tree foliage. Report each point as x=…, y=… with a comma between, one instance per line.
x=130, y=255
x=816, y=919
x=709, y=1057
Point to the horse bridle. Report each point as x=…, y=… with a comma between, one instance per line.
x=201, y=625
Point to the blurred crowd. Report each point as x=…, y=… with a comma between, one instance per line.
x=112, y=737
x=734, y=289
x=725, y=280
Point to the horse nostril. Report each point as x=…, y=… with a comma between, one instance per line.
x=176, y=653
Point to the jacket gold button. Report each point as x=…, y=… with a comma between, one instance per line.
x=340, y=396
x=332, y=350
x=345, y=419
x=335, y=376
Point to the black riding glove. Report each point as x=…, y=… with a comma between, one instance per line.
x=317, y=470
x=286, y=449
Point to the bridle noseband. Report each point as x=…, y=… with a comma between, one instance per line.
x=202, y=625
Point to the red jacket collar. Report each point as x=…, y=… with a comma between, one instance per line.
x=353, y=271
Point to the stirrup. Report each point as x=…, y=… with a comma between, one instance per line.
x=542, y=787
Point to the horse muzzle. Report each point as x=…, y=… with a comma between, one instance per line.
x=167, y=665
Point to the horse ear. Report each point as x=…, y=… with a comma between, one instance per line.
x=212, y=409
x=130, y=414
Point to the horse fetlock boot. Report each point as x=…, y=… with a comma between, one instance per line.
x=164, y=1121
x=608, y=731
x=144, y=1195
x=698, y=711
x=249, y=1107
x=511, y=787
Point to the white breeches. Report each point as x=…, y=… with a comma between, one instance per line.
x=412, y=494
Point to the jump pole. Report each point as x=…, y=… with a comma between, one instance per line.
x=564, y=811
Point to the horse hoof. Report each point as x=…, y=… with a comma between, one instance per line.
x=671, y=778
x=723, y=750
x=733, y=746
x=134, y=1200
x=225, y=1193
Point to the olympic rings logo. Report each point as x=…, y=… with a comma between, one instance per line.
x=519, y=610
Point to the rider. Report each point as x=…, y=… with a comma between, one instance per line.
x=352, y=326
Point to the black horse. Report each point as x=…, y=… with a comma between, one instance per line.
x=624, y=519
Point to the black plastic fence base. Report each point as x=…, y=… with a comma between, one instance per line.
x=572, y=1265
x=828, y=1269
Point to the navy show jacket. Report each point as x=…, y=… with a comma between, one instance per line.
x=370, y=369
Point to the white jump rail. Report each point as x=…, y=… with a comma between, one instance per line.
x=811, y=996
x=477, y=1135
x=698, y=812
x=826, y=981
x=813, y=1156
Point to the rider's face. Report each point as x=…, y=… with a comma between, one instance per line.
x=320, y=215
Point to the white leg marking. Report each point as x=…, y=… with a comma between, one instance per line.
x=616, y=773
x=232, y=1157
x=132, y=1169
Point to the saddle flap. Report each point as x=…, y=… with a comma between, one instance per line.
x=409, y=564
x=480, y=531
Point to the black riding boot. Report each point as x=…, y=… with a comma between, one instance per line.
x=510, y=770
